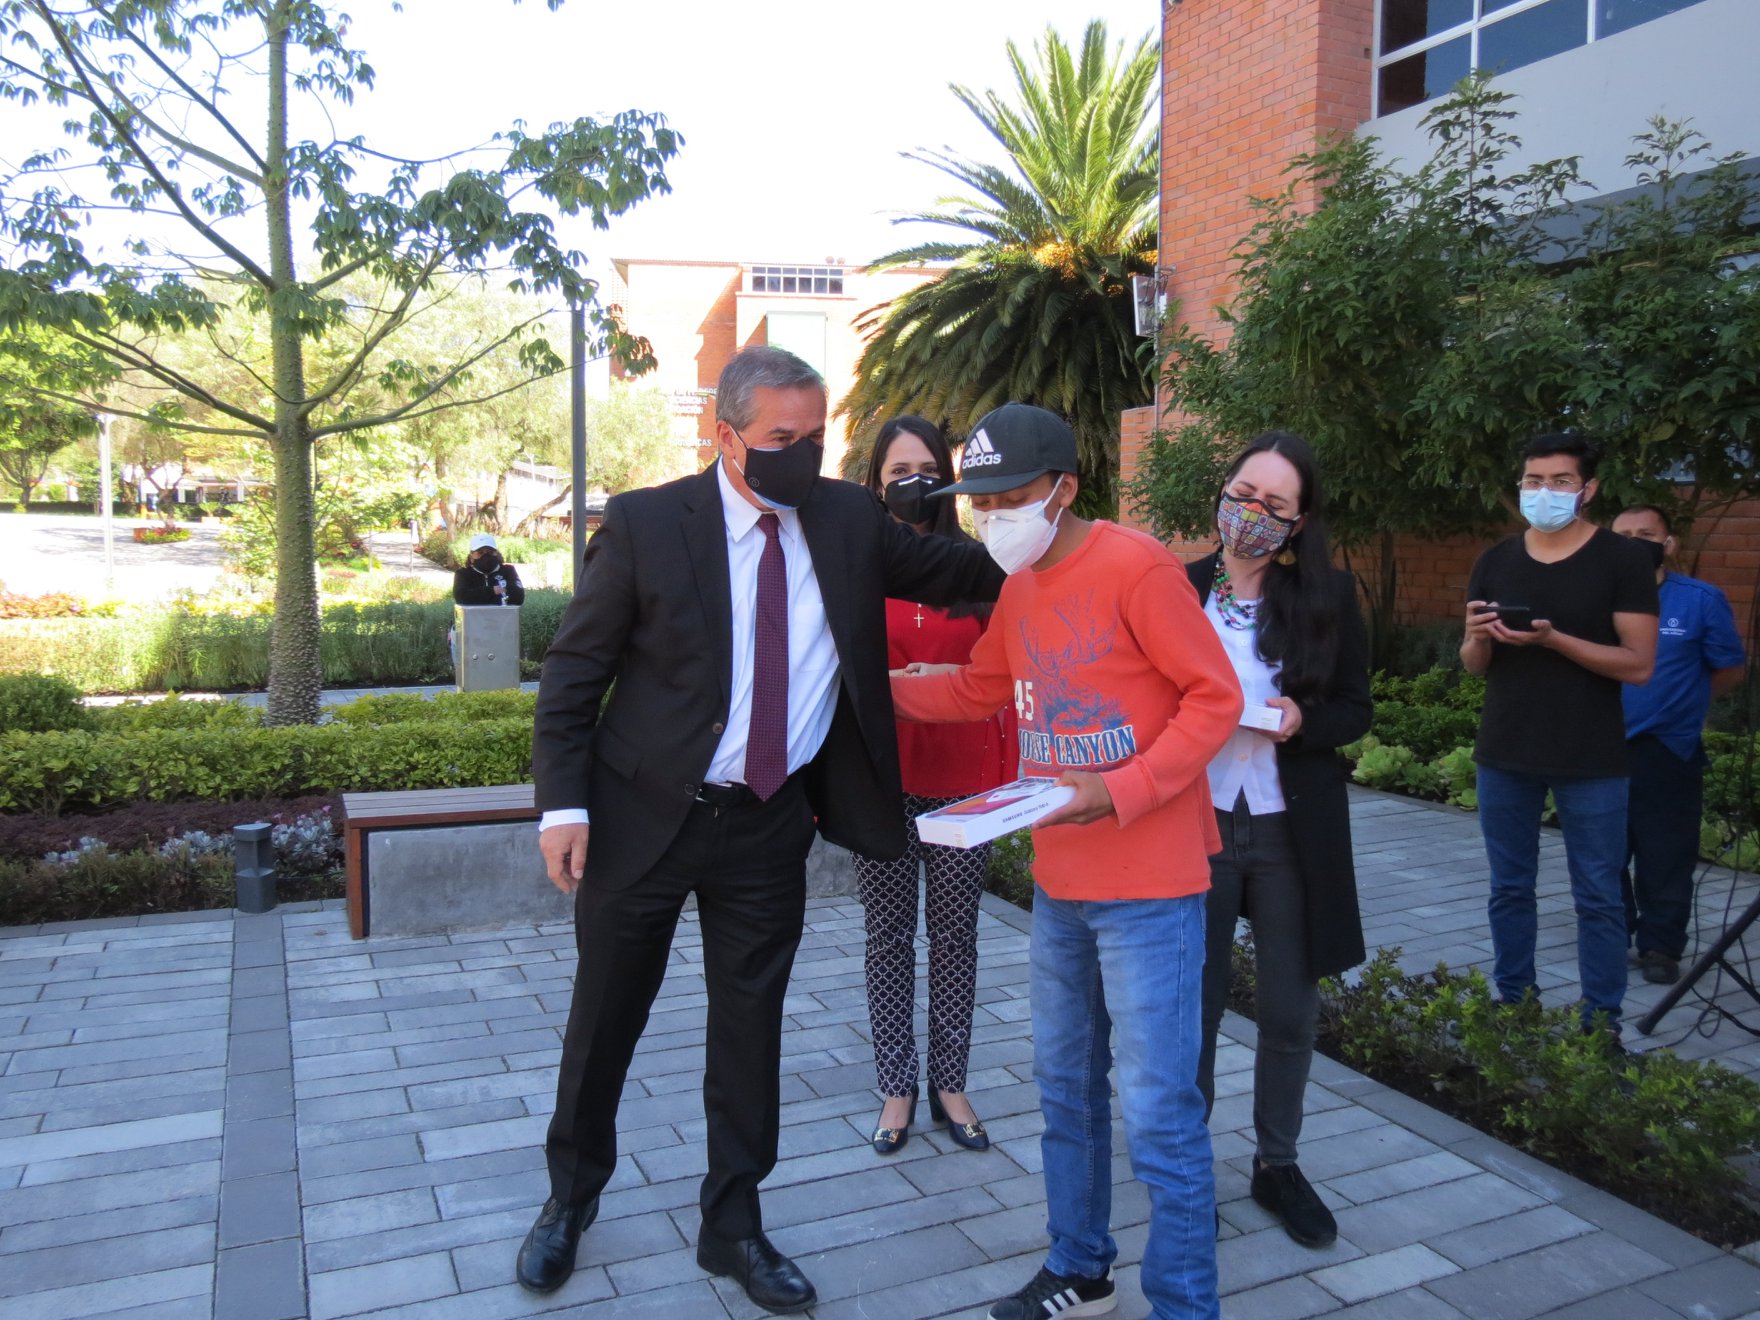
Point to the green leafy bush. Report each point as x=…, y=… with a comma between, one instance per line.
x=1655, y=1128
x=105, y=884
x=387, y=642
x=1396, y=769
x=457, y=707
x=1010, y=870
x=37, y=703
x=52, y=772
x=173, y=712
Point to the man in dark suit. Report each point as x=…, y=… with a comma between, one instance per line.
x=741, y=613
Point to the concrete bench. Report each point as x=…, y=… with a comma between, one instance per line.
x=429, y=861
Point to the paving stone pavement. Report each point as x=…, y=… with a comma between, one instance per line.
x=255, y=1118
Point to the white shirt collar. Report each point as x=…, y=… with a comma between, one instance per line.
x=741, y=514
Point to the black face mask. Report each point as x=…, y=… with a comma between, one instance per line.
x=1654, y=551
x=488, y=563
x=783, y=478
x=907, y=499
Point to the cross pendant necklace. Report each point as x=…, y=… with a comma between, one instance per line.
x=919, y=616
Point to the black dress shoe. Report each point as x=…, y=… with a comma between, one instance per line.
x=770, y=1278
x=970, y=1135
x=546, y=1257
x=889, y=1141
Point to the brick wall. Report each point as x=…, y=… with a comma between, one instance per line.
x=1246, y=85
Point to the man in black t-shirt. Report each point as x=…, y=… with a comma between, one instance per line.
x=1557, y=619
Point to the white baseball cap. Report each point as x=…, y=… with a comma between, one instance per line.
x=480, y=540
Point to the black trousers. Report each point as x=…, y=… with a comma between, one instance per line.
x=1662, y=833
x=747, y=867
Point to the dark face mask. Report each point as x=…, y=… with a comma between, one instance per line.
x=907, y=499
x=783, y=478
x=1654, y=551
x=488, y=563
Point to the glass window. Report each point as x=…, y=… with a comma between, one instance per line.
x=1404, y=22
x=1428, y=74
x=1617, y=15
x=1533, y=34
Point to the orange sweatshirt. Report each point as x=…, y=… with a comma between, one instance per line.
x=1114, y=669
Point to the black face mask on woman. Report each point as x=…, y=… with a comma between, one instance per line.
x=907, y=499
x=782, y=478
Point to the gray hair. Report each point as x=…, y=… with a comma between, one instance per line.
x=759, y=367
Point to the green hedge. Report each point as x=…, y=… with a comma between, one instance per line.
x=52, y=772
x=1421, y=742
x=389, y=642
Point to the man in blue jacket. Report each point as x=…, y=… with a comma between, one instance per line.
x=1698, y=657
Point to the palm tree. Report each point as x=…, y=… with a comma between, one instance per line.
x=1036, y=307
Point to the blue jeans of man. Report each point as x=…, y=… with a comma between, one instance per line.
x=1592, y=815
x=1134, y=968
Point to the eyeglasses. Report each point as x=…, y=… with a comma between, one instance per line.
x=1563, y=484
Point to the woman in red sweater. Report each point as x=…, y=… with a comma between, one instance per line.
x=941, y=763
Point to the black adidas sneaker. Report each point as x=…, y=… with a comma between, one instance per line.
x=1062, y=1296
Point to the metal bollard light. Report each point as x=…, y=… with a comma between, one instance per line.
x=253, y=867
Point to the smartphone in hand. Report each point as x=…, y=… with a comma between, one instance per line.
x=1517, y=618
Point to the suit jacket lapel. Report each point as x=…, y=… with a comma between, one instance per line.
x=705, y=538
x=825, y=542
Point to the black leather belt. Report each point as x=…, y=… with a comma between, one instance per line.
x=726, y=795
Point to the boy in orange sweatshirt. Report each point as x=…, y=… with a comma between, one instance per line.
x=1122, y=691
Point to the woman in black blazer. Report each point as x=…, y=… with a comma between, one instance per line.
x=1291, y=625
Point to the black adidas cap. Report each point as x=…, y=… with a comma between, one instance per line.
x=1010, y=446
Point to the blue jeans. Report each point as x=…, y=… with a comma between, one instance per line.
x=1592, y=814
x=1132, y=967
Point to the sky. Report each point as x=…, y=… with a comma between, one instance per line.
x=794, y=115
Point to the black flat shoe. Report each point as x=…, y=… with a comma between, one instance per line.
x=769, y=1278
x=546, y=1257
x=970, y=1135
x=889, y=1141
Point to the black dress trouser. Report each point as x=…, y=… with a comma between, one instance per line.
x=747, y=866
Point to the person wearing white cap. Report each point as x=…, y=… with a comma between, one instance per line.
x=486, y=578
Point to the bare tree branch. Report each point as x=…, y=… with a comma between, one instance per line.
x=91, y=96
x=194, y=95
x=413, y=410
x=392, y=320
x=115, y=410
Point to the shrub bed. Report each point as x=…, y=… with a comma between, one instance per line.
x=1421, y=745
x=175, y=649
x=161, y=535
x=1654, y=1129
x=49, y=773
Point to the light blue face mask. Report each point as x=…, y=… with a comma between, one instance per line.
x=1550, y=510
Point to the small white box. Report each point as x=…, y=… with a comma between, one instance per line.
x=1268, y=718
x=987, y=816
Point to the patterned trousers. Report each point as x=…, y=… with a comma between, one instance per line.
x=953, y=878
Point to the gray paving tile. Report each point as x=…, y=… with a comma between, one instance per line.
x=1538, y=1281
x=261, y=1282
x=1499, y=1238
x=1720, y=1289
x=257, y=1146
x=376, y=1287
x=259, y=1209
x=121, y=1161
x=1425, y=1212
x=52, y=1268
x=78, y=1301
x=1383, y=1273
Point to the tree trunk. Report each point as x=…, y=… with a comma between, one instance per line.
x=295, y=669
x=528, y=526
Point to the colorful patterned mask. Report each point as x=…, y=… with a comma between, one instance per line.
x=1250, y=530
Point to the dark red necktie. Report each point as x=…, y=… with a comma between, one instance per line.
x=767, y=739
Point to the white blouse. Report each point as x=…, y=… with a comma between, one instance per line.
x=1247, y=762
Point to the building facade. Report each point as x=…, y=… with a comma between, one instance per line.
x=696, y=314
x=1249, y=84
